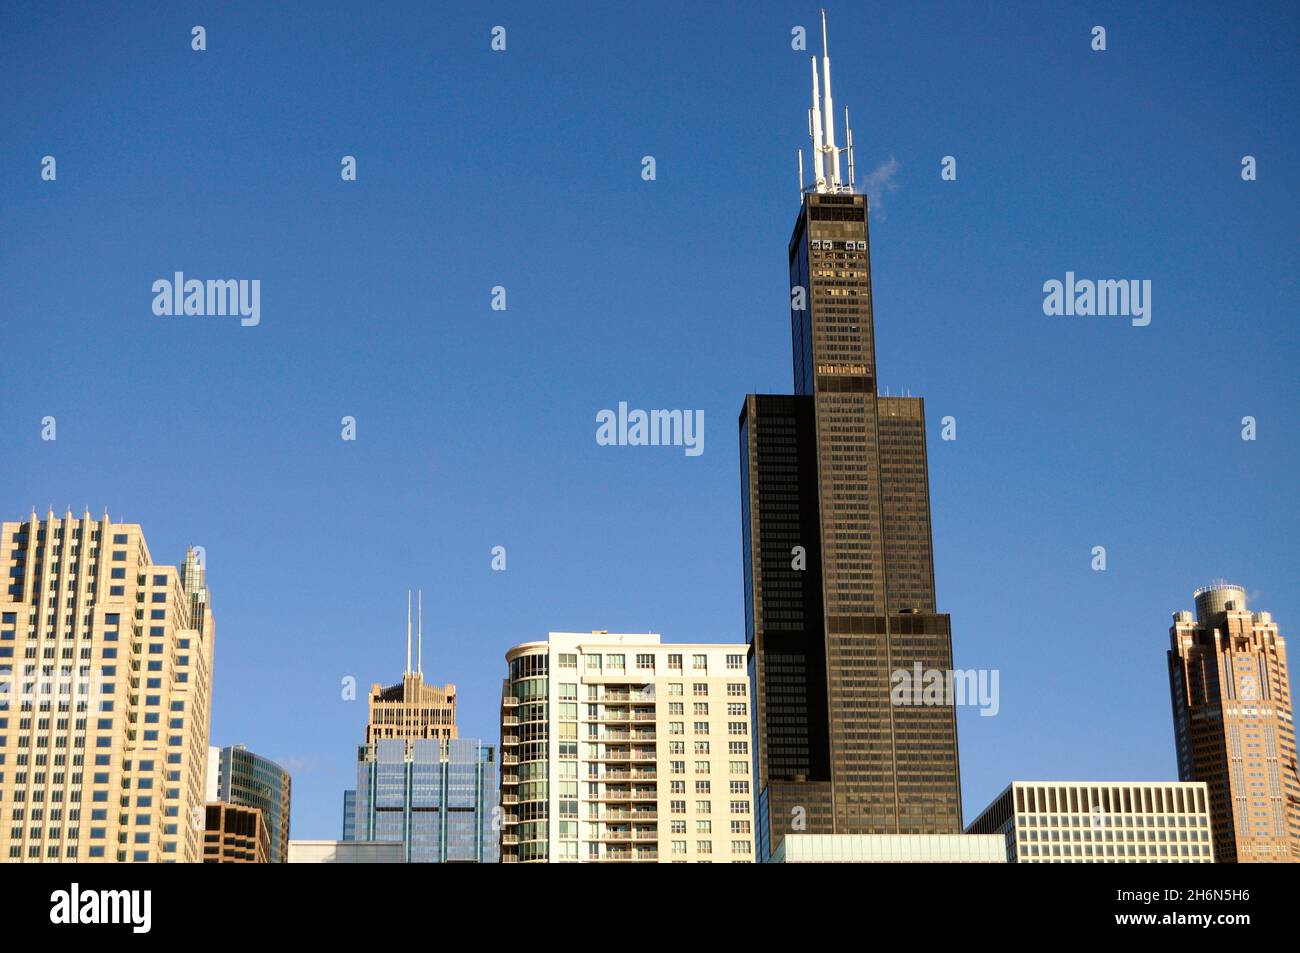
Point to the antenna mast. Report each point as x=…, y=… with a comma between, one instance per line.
x=821, y=129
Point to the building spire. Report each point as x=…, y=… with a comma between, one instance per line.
x=821, y=129
x=408, y=631
x=419, y=636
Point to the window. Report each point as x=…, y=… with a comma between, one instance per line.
x=700, y=663
x=735, y=662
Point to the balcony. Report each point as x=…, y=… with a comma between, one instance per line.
x=509, y=701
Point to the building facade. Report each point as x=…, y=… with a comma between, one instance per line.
x=436, y=797
x=346, y=852
x=238, y=776
x=1233, y=724
x=617, y=748
x=890, y=849
x=235, y=834
x=1093, y=822
x=418, y=782
x=838, y=562
x=105, y=681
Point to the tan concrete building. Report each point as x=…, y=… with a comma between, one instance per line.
x=106, y=668
x=619, y=748
x=235, y=834
x=1233, y=724
x=411, y=709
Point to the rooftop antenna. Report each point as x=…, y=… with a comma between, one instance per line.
x=419, y=636
x=848, y=132
x=821, y=129
x=815, y=122
x=830, y=113
x=408, y=631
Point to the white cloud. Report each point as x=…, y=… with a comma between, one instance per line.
x=880, y=181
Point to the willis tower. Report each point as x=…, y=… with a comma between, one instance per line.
x=839, y=568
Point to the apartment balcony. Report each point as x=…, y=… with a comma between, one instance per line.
x=510, y=838
x=509, y=798
x=509, y=739
x=509, y=701
x=509, y=779
x=509, y=758
x=509, y=719
x=642, y=736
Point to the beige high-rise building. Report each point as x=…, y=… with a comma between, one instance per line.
x=1233, y=724
x=411, y=709
x=619, y=748
x=105, y=676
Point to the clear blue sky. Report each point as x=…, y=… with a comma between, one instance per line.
x=477, y=428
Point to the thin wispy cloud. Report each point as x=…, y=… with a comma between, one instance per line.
x=880, y=181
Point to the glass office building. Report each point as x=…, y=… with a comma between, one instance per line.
x=434, y=796
x=238, y=776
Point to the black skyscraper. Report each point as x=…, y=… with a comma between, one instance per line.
x=839, y=572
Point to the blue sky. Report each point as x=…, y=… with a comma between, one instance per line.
x=476, y=427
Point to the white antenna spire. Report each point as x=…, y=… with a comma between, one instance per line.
x=408, y=631
x=819, y=159
x=848, y=132
x=830, y=113
x=821, y=129
x=419, y=636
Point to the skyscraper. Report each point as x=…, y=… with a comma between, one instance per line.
x=617, y=748
x=105, y=680
x=240, y=777
x=236, y=834
x=839, y=573
x=418, y=782
x=1233, y=724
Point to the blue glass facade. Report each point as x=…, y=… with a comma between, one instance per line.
x=436, y=797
